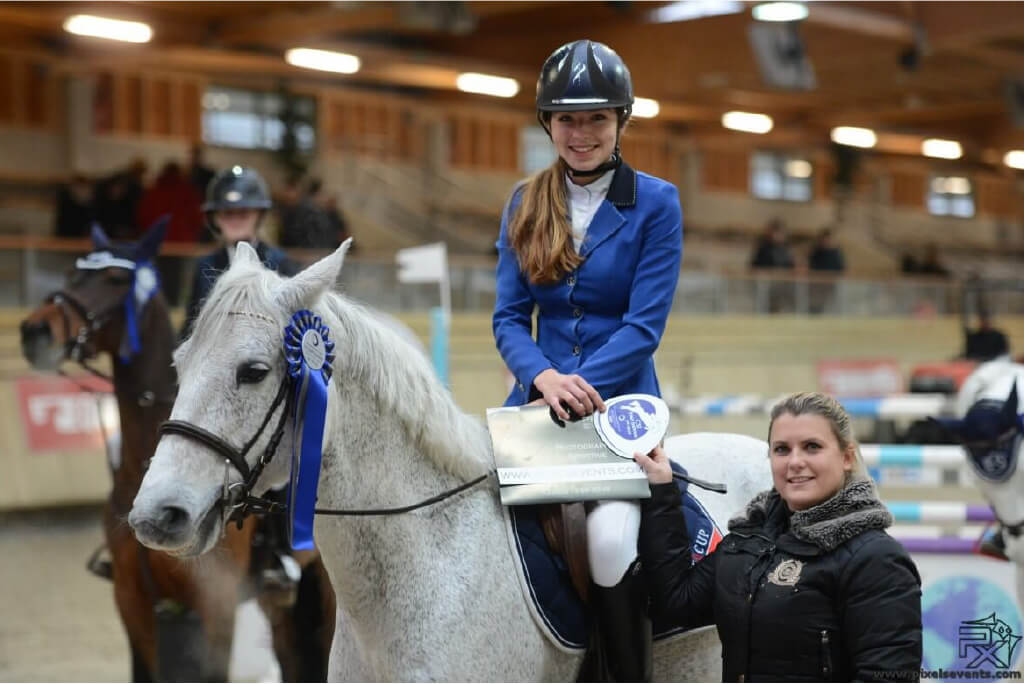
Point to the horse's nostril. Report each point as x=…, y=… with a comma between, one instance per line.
x=172, y=519
x=32, y=330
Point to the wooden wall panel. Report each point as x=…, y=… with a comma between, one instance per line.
x=6, y=87
x=995, y=197
x=725, y=169
x=908, y=189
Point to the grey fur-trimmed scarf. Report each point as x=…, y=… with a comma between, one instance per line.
x=853, y=509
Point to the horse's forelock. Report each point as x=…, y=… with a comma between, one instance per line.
x=243, y=287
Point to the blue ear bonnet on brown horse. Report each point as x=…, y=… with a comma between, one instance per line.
x=139, y=258
x=991, y=433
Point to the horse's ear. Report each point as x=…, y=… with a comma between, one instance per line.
x=295, y=293
x=1010, y=405
x=100, y=241
x=149, y=245
x=243, y=253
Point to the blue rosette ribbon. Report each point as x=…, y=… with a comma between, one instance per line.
x=145, y=285
x=309, y=353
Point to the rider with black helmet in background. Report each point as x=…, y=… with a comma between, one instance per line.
x=596, y=247
x=237, y=200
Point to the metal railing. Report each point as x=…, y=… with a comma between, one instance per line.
x=31, y=268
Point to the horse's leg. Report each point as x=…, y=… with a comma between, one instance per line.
x=140, y=671
x=131, y=600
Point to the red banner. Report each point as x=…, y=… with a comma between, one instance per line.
x=861, y=378
x=58, y=414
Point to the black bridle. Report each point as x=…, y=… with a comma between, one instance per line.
x=237, y=498
x=77, y=347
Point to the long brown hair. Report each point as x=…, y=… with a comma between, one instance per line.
x=540, y=232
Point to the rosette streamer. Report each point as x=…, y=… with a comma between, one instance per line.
x=309, y=353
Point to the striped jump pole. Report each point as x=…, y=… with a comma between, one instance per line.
x=941, y=456
x=906, y=406
x=947, y=545
x=940, y=512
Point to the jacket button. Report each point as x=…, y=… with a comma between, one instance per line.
x=521, y=388
x=577, y=312
x=570, y=281
x=576, y=350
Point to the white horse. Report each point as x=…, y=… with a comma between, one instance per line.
x=990, y=422
x=432, y=594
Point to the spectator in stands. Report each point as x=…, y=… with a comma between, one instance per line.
x=826, y=254
x=304, y=223
x=596, y=247
x=808, y=585
x=908, y=264
x=772, y=250
x=117, y=200
x=75, y=210
x=199, y=174
x=932, y=264
x=339, y=226
x=172, y=195
x=237, y=201
x=985, y=342
x=826, y=258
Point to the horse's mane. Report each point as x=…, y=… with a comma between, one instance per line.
x=369, y=353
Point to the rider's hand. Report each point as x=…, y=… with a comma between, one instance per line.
x=572, y=389
x=655, y=465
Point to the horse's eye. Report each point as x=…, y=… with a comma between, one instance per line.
x=251, y=373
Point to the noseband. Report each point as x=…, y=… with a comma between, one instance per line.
x=77, y=347
x=237, y=498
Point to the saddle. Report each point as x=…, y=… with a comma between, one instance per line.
x=565, y=529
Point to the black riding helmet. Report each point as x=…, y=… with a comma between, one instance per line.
x=585, y=75
x=237, y=187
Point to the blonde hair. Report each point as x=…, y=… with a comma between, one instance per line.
x=819, y=404
x=540, y=232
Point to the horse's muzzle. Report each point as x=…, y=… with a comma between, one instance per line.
x=37, y=344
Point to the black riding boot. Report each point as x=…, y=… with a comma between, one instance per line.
x=625, y=627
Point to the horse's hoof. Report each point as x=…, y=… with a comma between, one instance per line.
x=101, y=567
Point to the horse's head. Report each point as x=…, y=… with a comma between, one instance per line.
x=232, y=377
x=992, y=432
x=88, y=315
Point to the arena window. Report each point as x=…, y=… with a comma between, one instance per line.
x=257, y=120
x=781, y=176
x=535, y=149
x=951, y=196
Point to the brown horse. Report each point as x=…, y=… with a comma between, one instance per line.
x=179, y=615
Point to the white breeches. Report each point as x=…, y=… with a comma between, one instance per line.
x=613, y=528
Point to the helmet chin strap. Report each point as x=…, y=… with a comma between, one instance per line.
x=613, y=163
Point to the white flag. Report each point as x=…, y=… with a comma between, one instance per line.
x=424, y=264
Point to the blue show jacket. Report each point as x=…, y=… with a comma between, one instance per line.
x=604, y=320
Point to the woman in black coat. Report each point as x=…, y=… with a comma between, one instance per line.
x=807, y=585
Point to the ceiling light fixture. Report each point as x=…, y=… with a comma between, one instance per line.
x=685, y=10
x=748, y=122
x=645, y=108
x=853, y=136
x=109, y=29
x=1014, y=159
x=486, y=84
x=323, y=60
x=780, y=11
x=941, y=149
